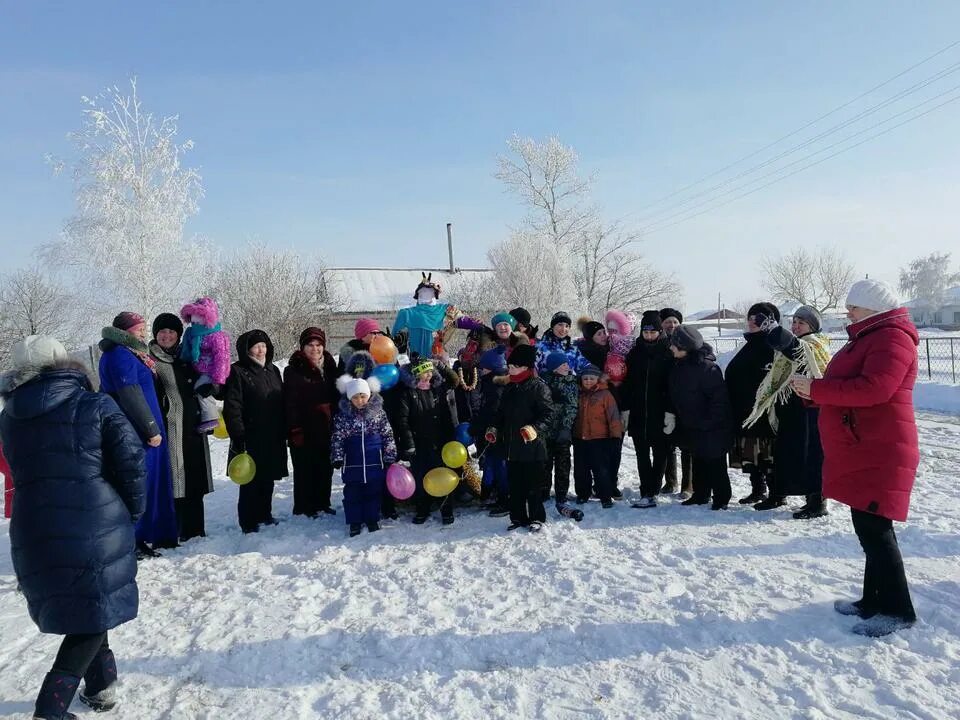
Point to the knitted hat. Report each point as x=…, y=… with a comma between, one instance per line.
x=357, y=386
x=523, y=356
x=36, y=351
x=591, y=371
x=504, y=318
x=421, y=368
x=555, y=360
x=687, y=338
x=128, y=321
x=619, y=321
x=670, y=312
x=764, y=308
x=810, y=316
x=311, y=334
x=650, y=322
x=364, y=327
x=494, y=361
x=560, y=317
x=521, y=315
x=167, y=321
x=872, y=295
x=592, y=328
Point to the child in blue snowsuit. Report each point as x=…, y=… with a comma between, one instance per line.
x=493, y=379
x=362, y=449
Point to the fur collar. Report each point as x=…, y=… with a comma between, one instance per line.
x=113, y=337
x=18, y=377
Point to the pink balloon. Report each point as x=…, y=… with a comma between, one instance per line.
x=400, y=482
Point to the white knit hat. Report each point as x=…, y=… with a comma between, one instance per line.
x=38, y=351
x=873, y=295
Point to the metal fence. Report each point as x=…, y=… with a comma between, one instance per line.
x=939, y=357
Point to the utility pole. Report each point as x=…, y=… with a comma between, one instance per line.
x=719, y=331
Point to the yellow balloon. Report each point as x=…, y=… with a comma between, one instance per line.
x=454, y=454
x=220, y=431
x=440, y=482
x=242, y=469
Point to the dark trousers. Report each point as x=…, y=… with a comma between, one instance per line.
x=312, y=479
x=685, y=481
x=421, y=464
x=558, y=471
x=885, y=588
x=190, y=523
x=592, y=468
x=526, y=492
x=255, y=505
x=710, y=478
x=616, y=457
x=361, y=500
x=651, y=464
x=77, y=653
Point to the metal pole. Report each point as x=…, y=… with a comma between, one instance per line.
x=953, y=362
x=450, y=246
x=929, y=371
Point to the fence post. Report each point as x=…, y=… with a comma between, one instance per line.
x=953, y=363
x=929, y=370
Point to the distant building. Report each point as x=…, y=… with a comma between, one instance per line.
x=947, y=316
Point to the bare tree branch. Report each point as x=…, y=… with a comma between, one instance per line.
x=820, y=279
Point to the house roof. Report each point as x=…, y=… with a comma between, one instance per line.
x=713, y=314
x=950, y=297
x=374, y=289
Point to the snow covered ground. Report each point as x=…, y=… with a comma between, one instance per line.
x=668, y=613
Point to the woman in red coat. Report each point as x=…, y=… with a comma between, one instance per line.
x=870, y=445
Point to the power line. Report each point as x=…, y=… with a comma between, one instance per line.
x=655, y=229
x=800, y=129
x=917, y=87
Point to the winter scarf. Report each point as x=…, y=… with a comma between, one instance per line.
x=521, y=376
x=810, y=358
x=190, y=345
x=133, y=344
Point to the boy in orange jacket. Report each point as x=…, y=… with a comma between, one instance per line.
x=597, y=429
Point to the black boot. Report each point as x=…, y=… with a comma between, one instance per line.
x=774, y=501
x=99, y=683
x=758, y=490
x=355, y=529
x=816, y=507
x=373, y=526
x=56, y=694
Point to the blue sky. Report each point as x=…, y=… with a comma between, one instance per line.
x=360, y=130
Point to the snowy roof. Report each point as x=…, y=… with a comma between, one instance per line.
x=387, y=289
x=727, y=314
x=950, y=297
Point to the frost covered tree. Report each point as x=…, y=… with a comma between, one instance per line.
x=278, y=291
x=926, y=281
x=34, y=303
x=599, y=260
x=124, y=248
x=818, y=278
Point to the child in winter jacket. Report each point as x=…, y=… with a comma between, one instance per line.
x=702, y=416
x=206, y=348
x=493, y=380
x=565, y=395
x=362, y=449
x=424, y=425
x=523, y=419
x=597, y=432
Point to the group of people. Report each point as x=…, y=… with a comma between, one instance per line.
x=98, y=476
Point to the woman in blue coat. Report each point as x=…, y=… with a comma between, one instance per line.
x=127, y=375
x=79, y=472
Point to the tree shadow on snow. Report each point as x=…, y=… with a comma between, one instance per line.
x=371, y=655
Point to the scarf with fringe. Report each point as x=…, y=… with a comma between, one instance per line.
x=810, y=359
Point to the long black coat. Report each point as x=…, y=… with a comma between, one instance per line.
x=646, y=389
x=424, y=422
x=744, y=374
x=310, y=398
x=525, y=403
x=253, y=409
x=699, y=399
x=79, y=474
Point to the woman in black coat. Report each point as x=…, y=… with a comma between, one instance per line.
x=701, y=416
x=189, y=450
x=310, y=397
x=752, y=449
x=254, y=414
x=79, y=472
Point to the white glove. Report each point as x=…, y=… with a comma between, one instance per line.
x=669, y=423
x=403, y=463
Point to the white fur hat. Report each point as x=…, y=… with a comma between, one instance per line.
x=873, y=295
x=38, y=351
x=351, y=386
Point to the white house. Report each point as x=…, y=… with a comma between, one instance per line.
x=946, y=316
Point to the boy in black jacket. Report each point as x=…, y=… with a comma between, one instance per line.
x=493, y=380
x=522, y=421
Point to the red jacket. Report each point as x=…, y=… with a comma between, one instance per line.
x=867, y=424
x=7, y=485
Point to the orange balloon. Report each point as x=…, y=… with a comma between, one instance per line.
x=383, y=350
